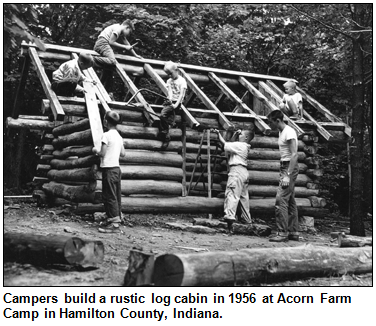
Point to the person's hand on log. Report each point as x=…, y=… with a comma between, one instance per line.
x=96, y=151
x=215, y=131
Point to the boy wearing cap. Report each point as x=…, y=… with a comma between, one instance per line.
x=66, y=79
x=112, y=148
x=292, y=102
x=107, y=39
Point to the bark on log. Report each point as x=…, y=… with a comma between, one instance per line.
x=140, y=269
x=353, y=241
x=271, y=191
x=272, y=178
x=151, y=145
x=218, y=168
x=69, y=128
x=82, y=162
x=73, y=139
x=152, y=172
x=29, y=124
x=81, y=174
x=266, y=165
x=258, y=265
x=271, y=142
x=77, y=194
x=215, y=177
x=317, y=201
x=152, y=158
x=270, y=155
x=81, y=151
x=143, y=187
x=52, y=249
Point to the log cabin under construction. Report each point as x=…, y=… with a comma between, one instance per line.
x=190, y=175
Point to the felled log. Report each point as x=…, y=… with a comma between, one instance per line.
x=81, y=162
x=270, y=155
x=75, y=138
x=188, y=227
x=42, y=169
x=80, y=151
x=69, y=108
x=317, y=201
x=266, y=165
x=271, y=191
x=246, y=229
x=40, y=249
x=45, y=158
x=152, y=172
x=152, y=158
x=258, y=265
x=47, y=149
x=69, y=128
x=30, y=124
x=77, y=194
x=142, y=187
x=218, y=167
x=80, y=174
x=216, y=178
x=345, y=240
x=140, y=268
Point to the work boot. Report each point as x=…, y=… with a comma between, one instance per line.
x=293, y=237
x=279, y=238
x=111, y=228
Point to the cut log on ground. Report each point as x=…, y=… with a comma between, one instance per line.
x=192, y=228
x=140, y=269
x=52, y=249
x=143, y=187
x=238, y=228
x=253, y=266
x=77, y=194
x=353, y=241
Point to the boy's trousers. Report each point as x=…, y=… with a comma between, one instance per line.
x=111, y=192
x=286, y=211
x=107, y=61
x=237, y=190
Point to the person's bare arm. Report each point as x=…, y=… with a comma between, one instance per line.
x=100, y=152
x=221, y=139
x=122, y=152
x=293, y=162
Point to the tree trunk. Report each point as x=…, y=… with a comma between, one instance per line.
x=52, y=249
x=357, y=206
x=77, y=194
x=73, y=151
x=353, y=241
x=258, y=265
x=82, y=162
x=29, y=124
x=68, y=128
x=81, y=174
x=74, y=139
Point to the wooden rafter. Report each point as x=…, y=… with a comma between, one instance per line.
x=99, y=89
x=225, y=123
x=57, y=109
x=192, y=122
x=262, y=98
x=148, y=111
x=233, y=97
x=322, y=131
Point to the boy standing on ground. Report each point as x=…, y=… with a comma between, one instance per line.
x=66, y=79
x=285, y=206
x=237, y=183
x=176, y=86
x=112, y=148
x=292, y=102
x=112, y=36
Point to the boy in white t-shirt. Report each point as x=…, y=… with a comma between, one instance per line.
x=112, y=148
x=292, y=102
x=176, y=86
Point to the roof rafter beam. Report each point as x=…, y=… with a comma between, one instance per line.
x=234, y=98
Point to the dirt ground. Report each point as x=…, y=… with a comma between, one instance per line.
x=150, y=233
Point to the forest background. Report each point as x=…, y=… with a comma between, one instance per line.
x=326, y=47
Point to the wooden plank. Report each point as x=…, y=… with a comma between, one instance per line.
x=232, y=96
x=148, y=111
x=192, y=122
x=94, y=116
x=225, y=123
x=134, y=60
x=57, y=110
x=323, y=132
x=97, y=89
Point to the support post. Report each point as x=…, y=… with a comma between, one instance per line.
x=184, y=151
x=21, y=87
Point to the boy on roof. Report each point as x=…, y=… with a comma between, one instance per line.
x=292, y=102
